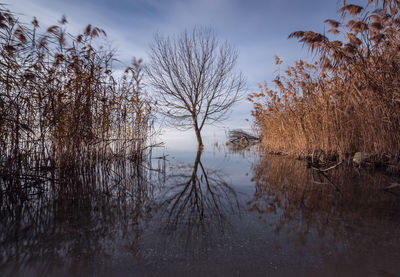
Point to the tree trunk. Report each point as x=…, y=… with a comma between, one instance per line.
x=197, y=130
x=199, y=139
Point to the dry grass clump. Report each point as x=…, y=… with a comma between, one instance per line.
x=60, y=98
x=62, y=105
x=346, y=101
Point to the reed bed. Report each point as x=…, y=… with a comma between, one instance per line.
x=63, y=105
x=348, y=99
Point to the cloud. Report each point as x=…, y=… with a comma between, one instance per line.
x=257, y=28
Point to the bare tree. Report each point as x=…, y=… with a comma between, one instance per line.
x=194, y=78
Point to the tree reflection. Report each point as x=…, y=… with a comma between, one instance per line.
x=197, y=200
x=86, y=213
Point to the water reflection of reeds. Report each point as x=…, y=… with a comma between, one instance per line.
x=346, y=218
x=98, y=210
x=75, y=217
x=303, y=199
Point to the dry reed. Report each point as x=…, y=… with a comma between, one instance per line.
x=346, y=101
x=62, y=103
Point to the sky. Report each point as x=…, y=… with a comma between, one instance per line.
x=257, y=28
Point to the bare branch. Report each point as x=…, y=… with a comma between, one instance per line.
x=194, y=78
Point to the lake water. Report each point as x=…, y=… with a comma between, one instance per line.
x=216, y=213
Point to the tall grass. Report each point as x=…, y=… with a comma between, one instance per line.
x=62, y=102
x=348, y=100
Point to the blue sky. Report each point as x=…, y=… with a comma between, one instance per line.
x=257, y=28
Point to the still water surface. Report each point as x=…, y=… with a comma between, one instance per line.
x=216, y=213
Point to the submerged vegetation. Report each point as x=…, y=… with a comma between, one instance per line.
x=348, y=100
